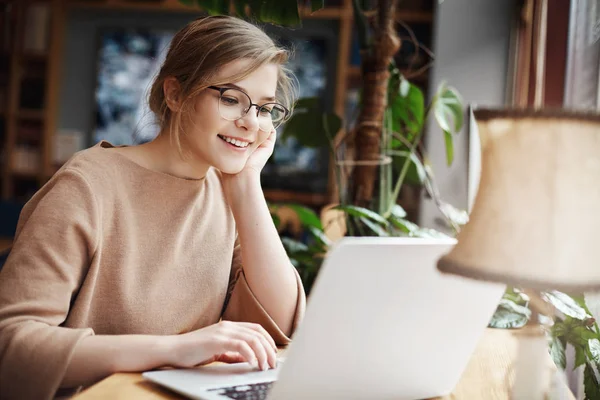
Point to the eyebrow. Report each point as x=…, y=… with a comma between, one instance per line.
x=234, y=86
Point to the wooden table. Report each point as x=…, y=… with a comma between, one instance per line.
x=484, y=378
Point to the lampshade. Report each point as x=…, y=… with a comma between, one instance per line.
x=535, y=222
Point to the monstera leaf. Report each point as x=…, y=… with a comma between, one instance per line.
x=281, y=12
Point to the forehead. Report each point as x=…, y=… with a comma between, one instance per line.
x=261, y=83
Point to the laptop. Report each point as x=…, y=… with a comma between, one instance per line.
x=381, y=323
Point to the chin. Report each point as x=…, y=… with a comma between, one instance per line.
x=230, y=169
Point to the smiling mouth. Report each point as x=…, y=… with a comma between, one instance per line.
x=235, y=142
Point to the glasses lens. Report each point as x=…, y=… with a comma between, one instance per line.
x=270, y=116
x=233, y=104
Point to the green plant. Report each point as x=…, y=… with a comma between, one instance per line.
x=572, y=324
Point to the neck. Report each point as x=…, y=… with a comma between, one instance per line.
x=166, y=158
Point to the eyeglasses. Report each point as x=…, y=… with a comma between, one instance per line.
x=235, y=104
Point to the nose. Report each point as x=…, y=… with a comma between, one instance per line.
x=250, y=120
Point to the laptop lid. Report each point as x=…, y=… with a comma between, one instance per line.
x=383, y=322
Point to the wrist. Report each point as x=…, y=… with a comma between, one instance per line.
x=242, y=189
x=168, y=349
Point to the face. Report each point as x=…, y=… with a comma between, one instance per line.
x=224, y=143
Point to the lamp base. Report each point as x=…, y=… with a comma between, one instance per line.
x=532, y=379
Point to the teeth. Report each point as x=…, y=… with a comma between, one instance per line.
x=234, y=142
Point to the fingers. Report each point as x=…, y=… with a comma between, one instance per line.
x=258, y=328
x=243, y=335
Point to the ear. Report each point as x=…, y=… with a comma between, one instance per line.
x=171, y=90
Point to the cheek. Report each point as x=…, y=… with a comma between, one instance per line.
x=262, y=136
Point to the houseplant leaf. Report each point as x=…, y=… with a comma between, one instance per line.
x=293, y=246
x=594, y=346
x=213, y=7
x=565, y=304
x=283, y=12
x=591, y=384
x=580, y=357
x=557, y=351
x=459, y=217
x=506, y=319
x=307, y=216
x=416, y=173
x=404, y=225
x=320, y=236
x=408, y=111
x=398, y=211
x=357, y=211
x=374, y=227
x=448, y=113
x=309, y=125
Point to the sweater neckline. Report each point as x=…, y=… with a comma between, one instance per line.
x=103, y=144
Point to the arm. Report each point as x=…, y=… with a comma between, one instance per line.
x=56, y=237
x=267, y=267
x=268, y=271
x=96, y=357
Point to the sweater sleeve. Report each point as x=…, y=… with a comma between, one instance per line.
x=242, y=305
x=55, y=240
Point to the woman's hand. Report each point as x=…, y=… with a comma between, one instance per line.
x=227, y=342
x=238, y=184
x=261, y=154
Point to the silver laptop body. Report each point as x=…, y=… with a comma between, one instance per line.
x=381, y=323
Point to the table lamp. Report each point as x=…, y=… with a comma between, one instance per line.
x=535, y=218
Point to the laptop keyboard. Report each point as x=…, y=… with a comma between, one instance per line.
x=254, y=391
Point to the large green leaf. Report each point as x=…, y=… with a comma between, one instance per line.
x=416, y=173
x=516, y=296
x=408, y=110
x=276, y=219
x=284, y=12
x=565, y=304
x=591, y=384
x=357, y=211
x=507, y=319
x=404, y=225
x=594, y=346
x=449, y=144
x=557, y=351
x=214, y=7
x=310, y=126
x=514, y=307
x=448, y=111
x=580, y=357
x=459, y=217
x=398, y=211
x=307, y=216
x=293, y=246
x=320, y=236
x=281, y=12
x=374, y=227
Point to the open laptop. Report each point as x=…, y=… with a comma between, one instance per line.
x=381, y=323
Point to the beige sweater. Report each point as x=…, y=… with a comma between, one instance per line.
x=110, y=247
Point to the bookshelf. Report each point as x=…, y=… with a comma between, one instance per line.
x=30, y=80
x=28, y=106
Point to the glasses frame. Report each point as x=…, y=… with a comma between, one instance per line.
x=223, y=89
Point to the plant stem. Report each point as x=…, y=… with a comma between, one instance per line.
x=406, y=164
x=375, y=71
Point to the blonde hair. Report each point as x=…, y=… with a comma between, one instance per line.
x=197, y=52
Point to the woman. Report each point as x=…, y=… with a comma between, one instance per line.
x=162, y=254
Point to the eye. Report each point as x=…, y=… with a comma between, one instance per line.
x=265, y=111
x=229, y=101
